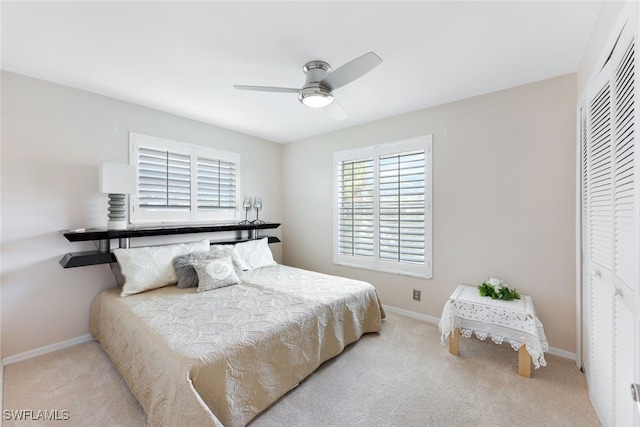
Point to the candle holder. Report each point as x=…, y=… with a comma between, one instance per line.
x=257, y=205
x=246, y=205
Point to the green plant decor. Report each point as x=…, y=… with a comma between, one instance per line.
x=497, y=289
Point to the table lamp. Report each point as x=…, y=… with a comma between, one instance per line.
x=117, y=180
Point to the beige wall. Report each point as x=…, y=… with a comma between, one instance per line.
x=503, y=197
x=53, y=141
x=504, y=170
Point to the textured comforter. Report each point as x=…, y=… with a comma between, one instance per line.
x=223, y=356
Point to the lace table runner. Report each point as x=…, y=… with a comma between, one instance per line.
x=514, y=321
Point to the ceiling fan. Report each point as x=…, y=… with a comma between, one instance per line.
x=320, y=82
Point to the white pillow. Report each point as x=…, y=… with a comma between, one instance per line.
x=215, y=273
x=228, y=250
x=151, y=267
x=255, y=254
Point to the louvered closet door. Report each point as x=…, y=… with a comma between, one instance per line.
x=625, y=226
x=610, y=226
x=600, y=249
x=585, y=352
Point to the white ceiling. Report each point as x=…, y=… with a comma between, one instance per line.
x=184, y=57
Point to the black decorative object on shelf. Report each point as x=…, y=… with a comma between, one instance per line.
x=104, y=236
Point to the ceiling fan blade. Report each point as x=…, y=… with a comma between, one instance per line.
x=336, y=111
x=267, y=88
x=352, y=70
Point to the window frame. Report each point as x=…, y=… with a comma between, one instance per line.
x=423, y=270
x=140, y=216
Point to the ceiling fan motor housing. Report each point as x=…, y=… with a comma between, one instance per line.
x=312, y=90
x=316, y=71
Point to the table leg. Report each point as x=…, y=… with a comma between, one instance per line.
x=524, y=362
x=454, y=341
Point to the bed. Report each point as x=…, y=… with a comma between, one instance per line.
x=219, y=358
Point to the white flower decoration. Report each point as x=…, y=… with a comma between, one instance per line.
x=495, y=282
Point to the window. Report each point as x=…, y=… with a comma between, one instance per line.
x=383, y=212
x=178, y=182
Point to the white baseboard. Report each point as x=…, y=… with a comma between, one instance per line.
x=562, y=353
x=413, y=314
x=436, y=320
x=44, y=350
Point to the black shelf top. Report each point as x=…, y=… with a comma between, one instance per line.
x=102, y=233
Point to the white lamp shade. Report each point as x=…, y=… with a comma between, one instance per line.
x=117, y=178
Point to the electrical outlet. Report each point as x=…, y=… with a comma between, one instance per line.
x=416, y=294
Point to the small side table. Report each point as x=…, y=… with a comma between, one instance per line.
x=466, y=313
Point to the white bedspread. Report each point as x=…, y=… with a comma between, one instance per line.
x=223, y=356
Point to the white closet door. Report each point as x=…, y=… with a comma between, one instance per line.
x=600, y=249
x=600, y=191
x=624, y=410
x=624, y=170
x=625, y=218
x=584, y=241
x=610, y=232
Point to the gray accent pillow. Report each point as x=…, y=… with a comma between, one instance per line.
x=214, y=274
x=186, y=274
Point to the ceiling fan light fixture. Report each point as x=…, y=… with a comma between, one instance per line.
x=320, y=81
x=316, y=99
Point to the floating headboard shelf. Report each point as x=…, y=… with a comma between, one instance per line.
x=104, y=236
x=101, y=233
x=81, y=259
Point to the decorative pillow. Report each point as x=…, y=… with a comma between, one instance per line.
x=214, y=274
x=185, y=274
x=151, y=267
x=255, y=254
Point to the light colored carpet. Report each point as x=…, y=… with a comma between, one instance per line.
x=400, y=377
x=79, y=379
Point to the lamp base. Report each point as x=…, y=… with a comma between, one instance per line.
x=117, y=225
x=117, y=216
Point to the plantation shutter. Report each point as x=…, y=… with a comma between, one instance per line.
x=382, y=217
x=164, y=180
x=402, y=207
x=356, y=207
x=182, y=183
x=216, y=183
